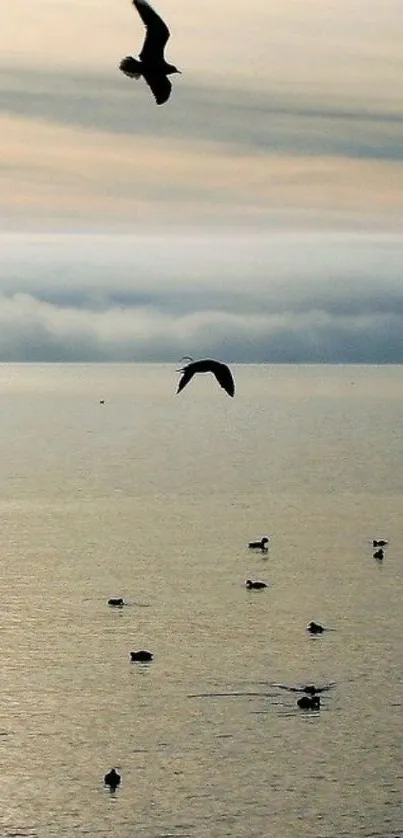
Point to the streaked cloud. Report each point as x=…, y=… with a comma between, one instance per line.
x=236, y=119
x=231, y=158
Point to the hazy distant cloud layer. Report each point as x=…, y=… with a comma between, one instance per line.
x=278, y=298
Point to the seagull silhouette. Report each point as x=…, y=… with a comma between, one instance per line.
x=221, y=371
x=152, y=65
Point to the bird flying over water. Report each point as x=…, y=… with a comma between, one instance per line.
x=221, y=371
x=152, y=65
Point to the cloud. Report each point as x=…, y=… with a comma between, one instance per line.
x=278, y=298
x=59, y=178
x=34, y=330
x=86, y=151
x=237, y=119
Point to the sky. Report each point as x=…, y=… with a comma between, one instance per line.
x=257, y=216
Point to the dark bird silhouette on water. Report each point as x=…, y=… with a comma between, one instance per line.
x=152, y=65
x=307, y=702
x=259, y=545
x=255, y=585
x=315, y=628
x=116, y=601
x=380, y=543
x=112, y=779
x=221, y=371
x=141, y=656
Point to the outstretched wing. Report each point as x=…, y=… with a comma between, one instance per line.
x=160, y=86
x=286, y=687
x=221, y=372
x=224, y=377
x=326, y=687
x=157, y=33
x=188, y=373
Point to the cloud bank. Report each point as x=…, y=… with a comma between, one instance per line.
x=279, y=298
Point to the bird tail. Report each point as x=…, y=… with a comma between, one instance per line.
x=130, y=67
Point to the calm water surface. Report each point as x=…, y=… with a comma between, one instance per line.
x=154, y=497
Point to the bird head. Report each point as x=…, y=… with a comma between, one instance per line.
x=184, y=358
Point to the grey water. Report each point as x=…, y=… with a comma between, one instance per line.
x=154, y=497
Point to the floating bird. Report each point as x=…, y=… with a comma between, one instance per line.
x=102, y=401
x=315, y=628
x=309, y=689
x=307, y=702
x=221, y=371
x=152, y=65
x=259, y=545
x=380, y=543
x=379, y=554
x=112, y=779
x=142, y=656
x=116, y=601
x=255, y=585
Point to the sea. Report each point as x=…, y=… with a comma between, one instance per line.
x=153, y=497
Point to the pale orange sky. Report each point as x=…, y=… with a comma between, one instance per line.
x=293, y=42
x=286, y=111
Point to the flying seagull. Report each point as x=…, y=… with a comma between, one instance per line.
x=221, y=371
x=152, y=65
